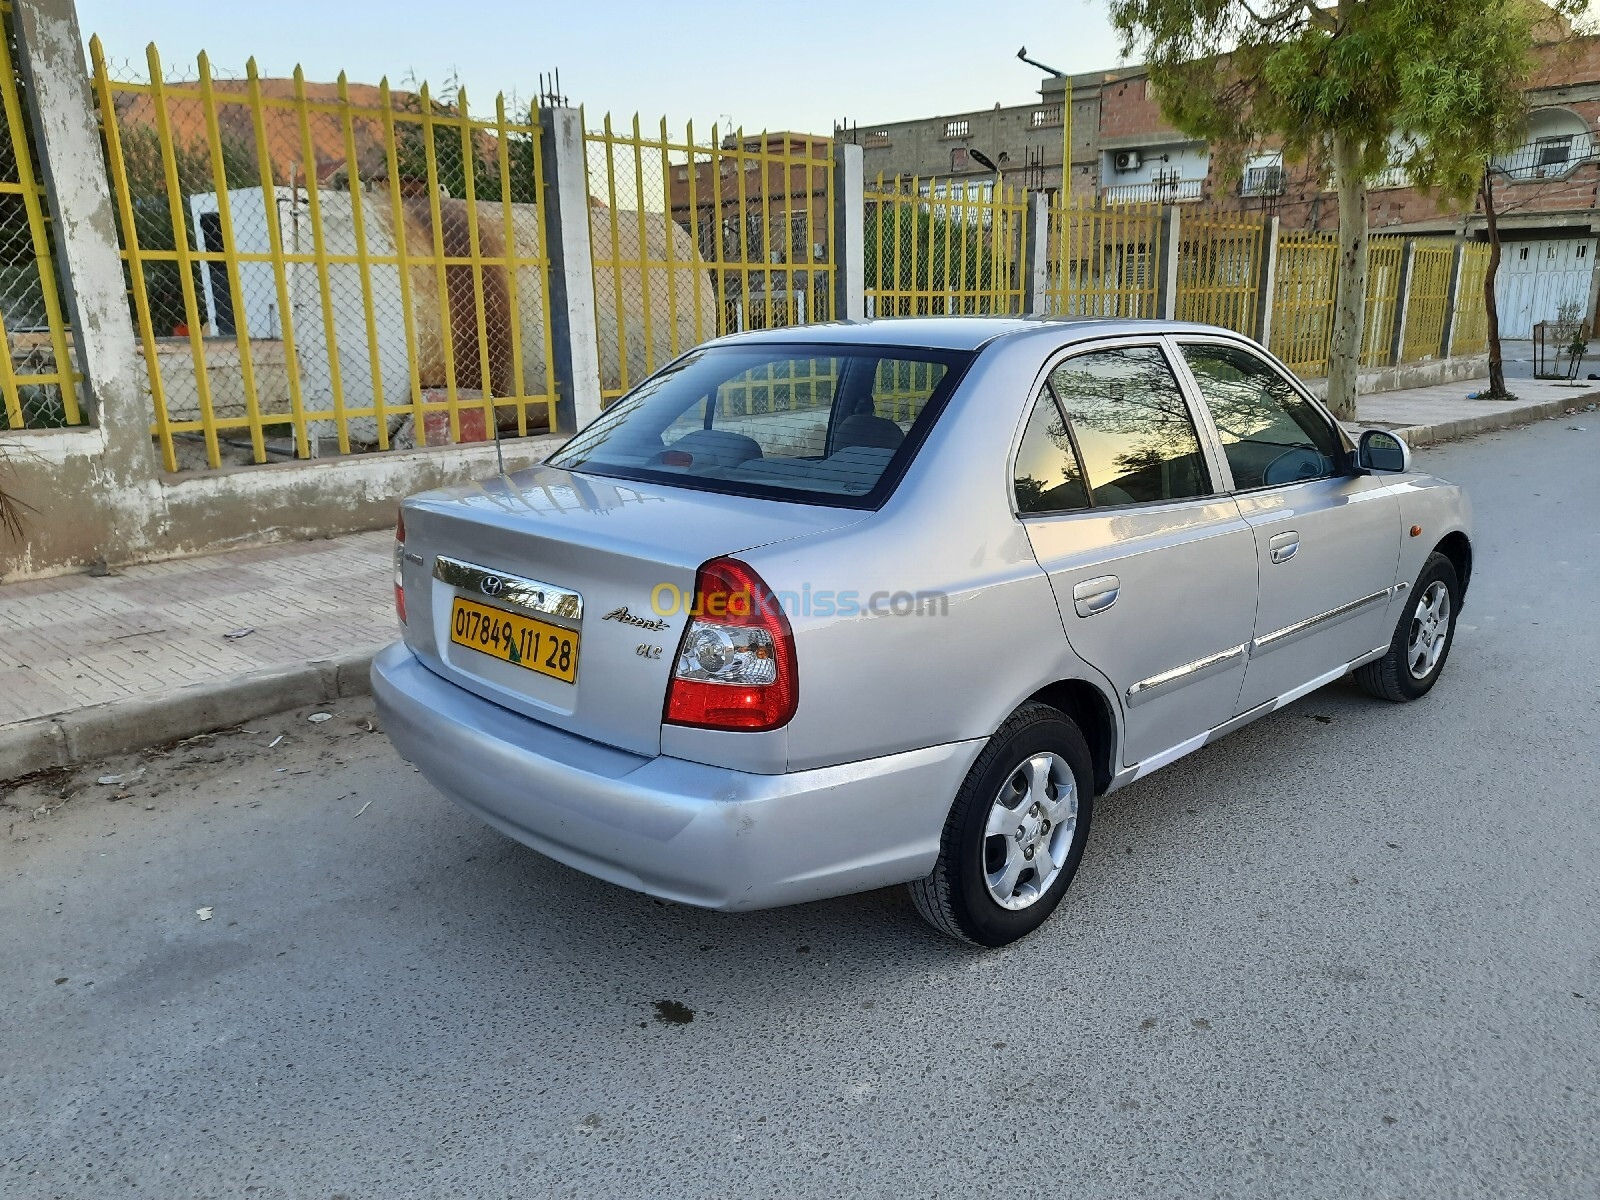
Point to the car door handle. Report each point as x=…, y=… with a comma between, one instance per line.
x=1282, y=546
x=1096, y=595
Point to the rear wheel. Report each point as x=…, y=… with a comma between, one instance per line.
x=1015, y=834
x=1421, y=640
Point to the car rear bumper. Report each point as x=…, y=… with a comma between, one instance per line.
x=697, y=834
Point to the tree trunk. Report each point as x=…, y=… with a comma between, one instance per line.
x=1350, y=289
x=1497, y=369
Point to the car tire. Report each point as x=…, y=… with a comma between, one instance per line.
x=1422, y=637
x=1026, y=800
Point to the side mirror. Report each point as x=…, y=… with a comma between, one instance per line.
x=1380, y=450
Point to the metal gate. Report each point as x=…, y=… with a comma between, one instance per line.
x=1538, y=277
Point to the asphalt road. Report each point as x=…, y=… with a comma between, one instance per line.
x=1353, y=950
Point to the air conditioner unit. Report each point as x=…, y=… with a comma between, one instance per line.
x=1127, y=160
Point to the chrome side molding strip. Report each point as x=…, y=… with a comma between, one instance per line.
x=528, y=594
x=1293, y=633
x=1168, y=681
x=1156, y=761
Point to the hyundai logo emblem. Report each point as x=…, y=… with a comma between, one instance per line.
x=491, y=585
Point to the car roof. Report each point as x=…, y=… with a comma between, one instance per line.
x=960, y=333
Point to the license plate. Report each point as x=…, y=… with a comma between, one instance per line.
x=513, y=638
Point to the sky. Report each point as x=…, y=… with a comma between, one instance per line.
x=764, y=65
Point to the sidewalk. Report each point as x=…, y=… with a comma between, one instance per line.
x=91, y=667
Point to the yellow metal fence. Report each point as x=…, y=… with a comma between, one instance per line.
x=940, y=247
x=694, y=239
x=1102, y=259
x=1219, y=271
x=319, y=268
x=1428, y=298
x=39, y=377
x=1471, y=332
x=1302, y=302
x=1384, y=255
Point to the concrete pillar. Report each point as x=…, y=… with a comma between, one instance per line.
x=574, y=340
x=1167, y=263
x=1452, y=303
x=1402, y=303
x=1266, y=280
x=849, y=232
x=118, y=452
x=1036, y=256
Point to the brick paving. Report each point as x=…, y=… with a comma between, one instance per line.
x=75, y=640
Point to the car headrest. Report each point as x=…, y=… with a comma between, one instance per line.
x=868, y=429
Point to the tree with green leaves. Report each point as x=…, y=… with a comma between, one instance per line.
x=1352, y=88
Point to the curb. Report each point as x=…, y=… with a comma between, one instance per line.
x=1489, y=422
x=122, y=726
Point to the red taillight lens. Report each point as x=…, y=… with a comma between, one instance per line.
x=399, y=558
x=735, y=667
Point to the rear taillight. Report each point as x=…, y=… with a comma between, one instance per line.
x=736, y=667
x=399, y=558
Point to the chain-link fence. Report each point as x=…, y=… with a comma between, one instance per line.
x=943, y=247
x=39, y=379
x=1102, y=260
x=693, y=239
x=327, y=268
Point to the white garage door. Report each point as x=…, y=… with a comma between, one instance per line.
x=1537, y=277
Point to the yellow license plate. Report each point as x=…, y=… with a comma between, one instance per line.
x=513, y=638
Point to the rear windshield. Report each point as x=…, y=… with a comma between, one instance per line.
x=821, y=424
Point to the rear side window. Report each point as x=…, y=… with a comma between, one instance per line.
x=1048, y=477
x=1270, y=433
x=1132, y=429
x=832, y=425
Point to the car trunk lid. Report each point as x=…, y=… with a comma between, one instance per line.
x=546, y=557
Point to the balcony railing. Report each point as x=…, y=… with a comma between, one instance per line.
x=1161, y=191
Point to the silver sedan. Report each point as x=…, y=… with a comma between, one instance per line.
x=813, y=611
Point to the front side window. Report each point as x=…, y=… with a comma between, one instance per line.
x=825, y=424
x=1270, y=433
x=1133, y=431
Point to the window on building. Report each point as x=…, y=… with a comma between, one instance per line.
x=1553, y=151
x=877, y=138
x=954, y=129
x=1263, y=175
x=959, y=159
x=1043, y=118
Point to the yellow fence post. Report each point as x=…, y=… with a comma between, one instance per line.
x=183, y=256
x=241, y=322
x=32, y=197
x=358, y=223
